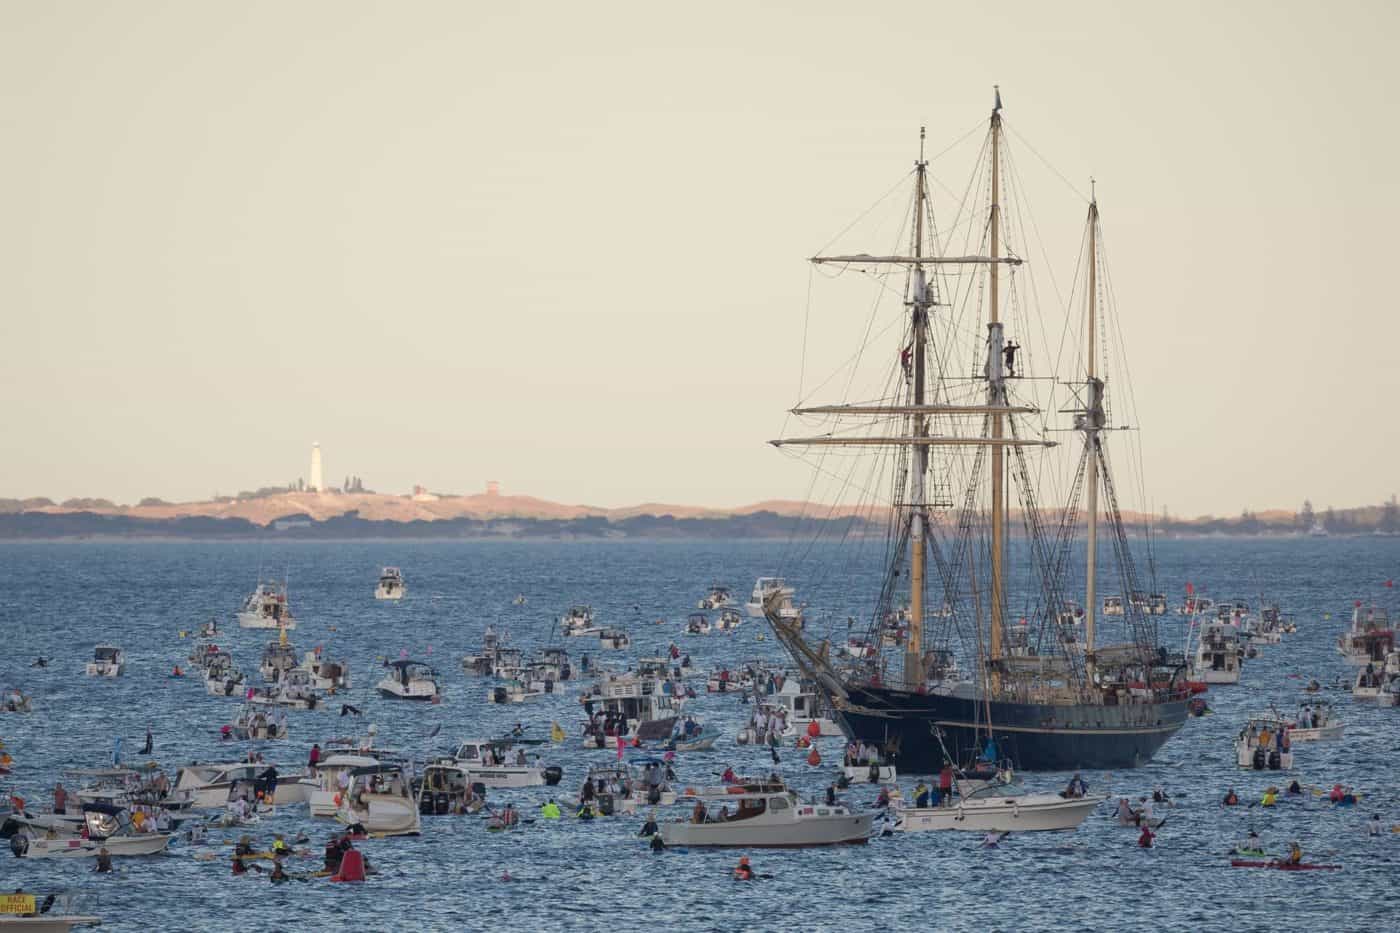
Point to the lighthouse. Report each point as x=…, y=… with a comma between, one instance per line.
x=318, y=482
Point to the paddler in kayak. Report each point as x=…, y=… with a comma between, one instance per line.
x=1145, y=840
x=1270, y=796
x=1250, y=846
x=1295, y=854
x=1232, y=799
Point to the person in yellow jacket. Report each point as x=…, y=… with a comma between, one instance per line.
x=1270, y=797
x=550, y=810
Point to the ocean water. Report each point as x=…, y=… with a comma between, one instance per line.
x=64, y=597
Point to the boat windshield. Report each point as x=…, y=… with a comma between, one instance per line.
x=996, y=791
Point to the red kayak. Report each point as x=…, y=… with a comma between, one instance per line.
x=1283, y=866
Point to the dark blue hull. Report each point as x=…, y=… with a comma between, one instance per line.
x=1033, y=737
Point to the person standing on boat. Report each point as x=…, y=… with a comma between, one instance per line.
x=945, y=783
x=921, y=794
x=60, y=799
x=150, y=743
x=1076, y=788
x=314, y=758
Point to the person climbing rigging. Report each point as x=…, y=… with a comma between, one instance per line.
x=1009, y=353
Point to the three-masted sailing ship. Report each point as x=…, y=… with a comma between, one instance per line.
x=1048, y=690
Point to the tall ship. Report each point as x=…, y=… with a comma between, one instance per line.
x=954, y=449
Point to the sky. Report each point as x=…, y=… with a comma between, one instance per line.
x=563, y=245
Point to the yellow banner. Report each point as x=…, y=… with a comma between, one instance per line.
x=16, y=903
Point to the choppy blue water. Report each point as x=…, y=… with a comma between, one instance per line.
x=64, y=597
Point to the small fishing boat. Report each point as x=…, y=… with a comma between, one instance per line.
x=515, y=690
x=717, y=598
x=409, y=680
x=295, y=690
x=1264, y=743
x=629, y=705
x=278, y=658
x=578, y=621
x=221, y=677
x=614, y=639
x=211, y=786
x=624, y=788
x=766, y=820
x=1316, y=720
x=324, y=799
x=379, y=802
x=1000, y=808
x=697, y=623
x=390, y=584
x=1113, y=605
x=267, y=608
x=728, y=621
x=446, y=787
x=1218, y=658
x=256, y=725
x=326, y=674
x=1369, y=683
x=765, y=587
x=107, y=661
x=1369, y=639
x=804, y=710
x=499, y=763
x=108, y=827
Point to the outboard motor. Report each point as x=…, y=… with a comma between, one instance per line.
x=479, y=789
x=605, y=805
x=553, y=775
x=654, y=795
x=549, y=686
x=442, y=803
x=498, y=695
x=1275, y=760
x=19, y=843
x=1260, y=759
x=425, y=805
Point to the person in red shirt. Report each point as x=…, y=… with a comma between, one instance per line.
x=945, y=784
x=1145, y=840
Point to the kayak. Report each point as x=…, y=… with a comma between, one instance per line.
x=1283, y=866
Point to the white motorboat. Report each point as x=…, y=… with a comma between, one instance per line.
x=1000, y=809
x=500, y=763
x=257, y=725
x=323, y=800
x=625, y=788
x=378, y=800
x=108, y=827
x=767, y=586
x=409, y=680
x=1264, y=744
x=211, y=786
x=1156, y=604
x=729, y=620
x=326, y=674
x=629, y=705
x=267, y=607
x=446, y=787
x=804, y=709
x=554, y=664
x=1113, y=605
x=762, y=820
x=515, y=690
x=295, y=690
x=391, y=584
x=717, y=598
x=1218, y=658
x=107, y=661
x=278, y=658
x=578, y=621
x=872, y=773
x=614, y=639
x=1369, y=683
x=221, y=677
x=1316, y=720
x=697, y=623
x=1370, y=637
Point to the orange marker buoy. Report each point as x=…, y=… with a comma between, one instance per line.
x=814, y=758
x=813, y=729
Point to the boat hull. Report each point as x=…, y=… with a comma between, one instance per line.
x=1040, y=813
x=826, y=831
x=1033, y=737
x=148, y=844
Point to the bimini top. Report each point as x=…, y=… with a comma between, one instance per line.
x=411, y=665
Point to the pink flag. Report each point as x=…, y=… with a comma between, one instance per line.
x=619, y=746
x=1189, y=588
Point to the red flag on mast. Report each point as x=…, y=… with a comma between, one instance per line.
x=1190, y=590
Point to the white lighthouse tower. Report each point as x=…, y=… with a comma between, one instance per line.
x=318, y=481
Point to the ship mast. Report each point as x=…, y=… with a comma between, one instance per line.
x=914, y=645
x=996, y=395
x=1092, y=423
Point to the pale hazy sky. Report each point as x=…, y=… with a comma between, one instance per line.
x=562, y=245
